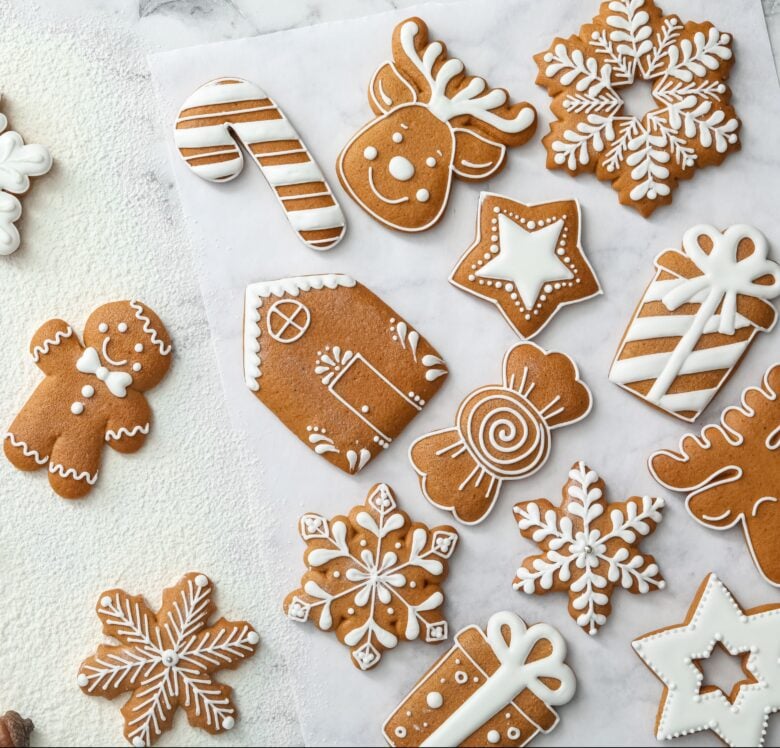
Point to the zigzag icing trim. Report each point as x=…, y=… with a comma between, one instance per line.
x=27, y=451
x=148, y=329
x=253, y=300
x=122, y=431
x=71, y=473
x=49, y=343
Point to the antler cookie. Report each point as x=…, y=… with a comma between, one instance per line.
x=433, y=122
x=503, y=432
x=92, y=394
x=731, y=472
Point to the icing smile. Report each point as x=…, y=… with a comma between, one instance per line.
x=108, y=358
x=374, y=189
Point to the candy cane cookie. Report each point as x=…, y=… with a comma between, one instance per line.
x=227, y=113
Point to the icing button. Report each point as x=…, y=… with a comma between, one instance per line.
x=77, y=409
x=87, y=391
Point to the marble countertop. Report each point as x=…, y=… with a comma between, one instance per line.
x=194, y=445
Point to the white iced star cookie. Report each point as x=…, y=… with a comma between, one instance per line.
x=688, y=704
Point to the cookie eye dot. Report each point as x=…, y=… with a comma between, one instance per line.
x=122, y=327
x=398, y=137
x=430, y=161
x=370, y=153
x=139, y=348
x=102, y=327
x=423, y=195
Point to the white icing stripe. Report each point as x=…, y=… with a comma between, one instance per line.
x=281, y=174
x=220, y=169
x=264, y=131
x=659, y=288
x=695, y=400
x=253, y=300
x=122, y=431
x=27, y=451
x=227, y=112
x=64, y=472
x=649, y=328
x=639, y=368
x=224, y=93
x=49, y=343
x=202, y=137
x=148, y=329
x=316, y=218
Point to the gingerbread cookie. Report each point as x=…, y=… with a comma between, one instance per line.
x=691, y=124
x=502, y=432
x=18, y=162
x=341, y=369
x=675, y=653
x=433, y=123
x=92, y=394
x=697, y=319
x=731, y=472
x=589, y=547
x=496, y=687
x=527, y=260
x=15, y=731
x=167, y=659
x=228, y=113
x=373, y=578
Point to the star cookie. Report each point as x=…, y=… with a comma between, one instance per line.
x=166, y=660
x=374, y=577
x=589, y=547
x=674, y=654
x=527, y=260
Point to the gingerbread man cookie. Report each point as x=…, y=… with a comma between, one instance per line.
x=374, y=577
x=433, y=123
x=503, y=432
x=731, y=472
x=589, y=546
x=166, y=660
x=527, y=260
x=691, y=125
x=92, y=394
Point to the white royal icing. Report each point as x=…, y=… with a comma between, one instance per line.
x=49, y=343
x=671, y=655
x=149, y=329
x=122, y=432
x=27, y=451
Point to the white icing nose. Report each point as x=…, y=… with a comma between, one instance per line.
x=401, y=168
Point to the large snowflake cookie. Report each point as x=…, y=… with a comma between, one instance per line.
x=698, y=318
x=589, y=547
x=93, y=394
x=18, y=162
x=675, y=654
x=731, y=472
x=373, y=578
x=167, y=660
x=227, y=114
x=502, y=432
x=527, y=260
x=341, y=369
x=494, y=687
x=692, y=123
x=433, y=123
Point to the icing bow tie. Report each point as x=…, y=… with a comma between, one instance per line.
x=116, y=381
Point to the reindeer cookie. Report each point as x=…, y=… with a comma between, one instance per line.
x=92, y=394
x=732, y=472
x=433, y=122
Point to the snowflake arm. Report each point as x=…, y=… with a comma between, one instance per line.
x=187, y=607
x=222, y=646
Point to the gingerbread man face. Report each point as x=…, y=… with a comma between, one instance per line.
x=130, y=338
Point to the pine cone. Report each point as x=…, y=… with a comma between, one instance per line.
x=15, y=731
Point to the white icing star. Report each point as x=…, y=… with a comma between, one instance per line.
x=526, y=258
x=672, y=653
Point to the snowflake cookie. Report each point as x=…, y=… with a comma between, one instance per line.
x=374, y=577
x=675, y=653
x=166, y=660
x=527, y=260
x=18, y=162
x=731, y=471
x=691, y=125
x=589, y=547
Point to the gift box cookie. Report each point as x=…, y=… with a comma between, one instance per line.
x=341, y=369
x=698, y=318
x=497, y=687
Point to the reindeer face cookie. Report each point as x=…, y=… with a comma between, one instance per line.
x=433, y=122
x=92, y=394
x=502, y=432
x=731, y=472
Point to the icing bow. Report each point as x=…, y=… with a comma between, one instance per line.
x=116, y=381
x=721, y=276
